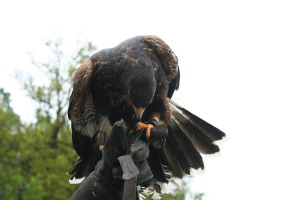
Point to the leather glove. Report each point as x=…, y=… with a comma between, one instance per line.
x=101, y=184
x=105, y=182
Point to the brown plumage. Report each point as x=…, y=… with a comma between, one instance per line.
x=136, y=79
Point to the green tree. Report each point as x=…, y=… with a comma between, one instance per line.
x=9, y=149
x=16, y=182
x=35, y=157
x=50, y=153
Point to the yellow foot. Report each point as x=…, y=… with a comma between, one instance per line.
x=148, y=128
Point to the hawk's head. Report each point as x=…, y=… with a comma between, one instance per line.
x=141, y=90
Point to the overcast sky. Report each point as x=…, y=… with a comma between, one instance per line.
x=239, y=63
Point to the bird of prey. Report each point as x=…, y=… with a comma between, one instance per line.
x=135, y=81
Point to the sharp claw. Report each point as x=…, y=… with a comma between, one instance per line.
x=141, y=125
x=148, y=128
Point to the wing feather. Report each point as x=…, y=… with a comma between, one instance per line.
x=188, y=136
x=165, y=54
x=89, y=129
x=81, y=112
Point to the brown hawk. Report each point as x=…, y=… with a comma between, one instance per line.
x=135, y=81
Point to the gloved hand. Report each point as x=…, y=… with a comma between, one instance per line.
x=104, y=183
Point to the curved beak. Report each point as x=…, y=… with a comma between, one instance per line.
x=138, y=112
x=138, y=117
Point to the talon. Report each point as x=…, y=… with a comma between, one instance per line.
x=148, y=128
x=141, y=125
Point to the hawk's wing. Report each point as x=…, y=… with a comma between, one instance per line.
x=168, y=60
x=81, y=112
x=89, y=129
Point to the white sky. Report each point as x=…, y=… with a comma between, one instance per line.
x=239, y=62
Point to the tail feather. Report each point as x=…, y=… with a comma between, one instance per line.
x=86, y=164
x=192, y=155
x=156, y=165
x=188, y=136
x=208, y=129
x=201, y=133
x=178, y=152
x=171, y=161
x=199, y=139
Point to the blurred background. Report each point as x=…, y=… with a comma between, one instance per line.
x=239, y=63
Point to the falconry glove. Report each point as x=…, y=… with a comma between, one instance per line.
x=107, y=180
x=100, y=184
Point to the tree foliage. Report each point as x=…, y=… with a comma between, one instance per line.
x=36, y=157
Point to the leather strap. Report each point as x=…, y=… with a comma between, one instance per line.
x=130, y=172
